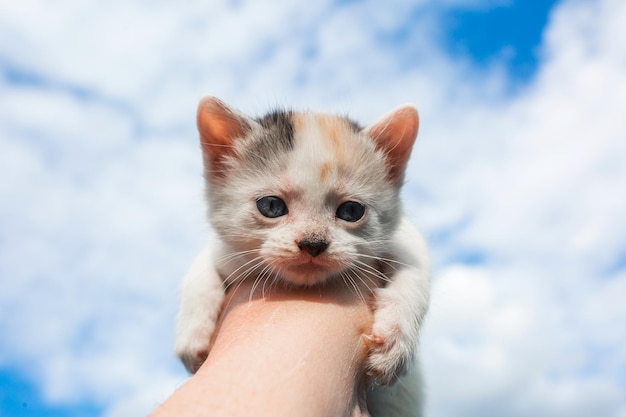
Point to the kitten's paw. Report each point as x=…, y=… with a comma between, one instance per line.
x=192, y=346
x=391, y=346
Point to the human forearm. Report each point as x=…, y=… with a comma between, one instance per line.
x=294, y=352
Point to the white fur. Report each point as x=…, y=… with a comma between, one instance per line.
x=380, y=247
x=400, y=309
x=202, y=294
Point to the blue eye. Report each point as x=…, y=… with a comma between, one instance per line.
x=350, y=211
x=271, y=206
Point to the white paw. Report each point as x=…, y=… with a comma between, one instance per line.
x=192, y=344
x=392, y=342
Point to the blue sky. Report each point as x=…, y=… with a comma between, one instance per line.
x=510, y=32
x=20, y=397
x=514, y=181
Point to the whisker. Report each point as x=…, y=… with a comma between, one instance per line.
x=229, y=279
x=273, y=278
x=370, y=270
x=347, y=279
x=388, y=261
x=259, y=278
x=234, y=255
x=371, y=288
x=241, y=278
x=239, y=283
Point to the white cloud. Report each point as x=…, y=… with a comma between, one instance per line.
x=97, y=223
x=103, y=209
x=535, y=181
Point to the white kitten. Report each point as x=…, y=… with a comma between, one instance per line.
x=305, y=198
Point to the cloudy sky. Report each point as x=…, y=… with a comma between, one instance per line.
x=518, y=182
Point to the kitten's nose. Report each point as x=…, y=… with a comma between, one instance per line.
x=314, y=247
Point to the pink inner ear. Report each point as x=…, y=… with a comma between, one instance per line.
x=395, y=134
x=219, y=127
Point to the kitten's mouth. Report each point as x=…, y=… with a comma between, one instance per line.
x=310, y=265
x=308, y=271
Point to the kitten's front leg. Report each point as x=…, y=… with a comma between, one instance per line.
x=202, y=294
x=400, y=308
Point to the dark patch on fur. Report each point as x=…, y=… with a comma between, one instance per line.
x=274, y=139
x=278, y=129
x=353, y=125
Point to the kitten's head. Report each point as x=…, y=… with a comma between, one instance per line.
x=304, y=197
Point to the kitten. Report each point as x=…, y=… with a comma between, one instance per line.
x=305, y=198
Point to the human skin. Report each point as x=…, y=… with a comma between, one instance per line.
x=282, y=352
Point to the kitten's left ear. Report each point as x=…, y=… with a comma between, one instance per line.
x=394, y=134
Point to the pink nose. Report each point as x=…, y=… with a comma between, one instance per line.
x=314, y=248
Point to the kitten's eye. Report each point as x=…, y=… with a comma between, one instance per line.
x=350, y=211
x=271, y=206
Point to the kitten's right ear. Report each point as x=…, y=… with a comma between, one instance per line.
x=219, y=127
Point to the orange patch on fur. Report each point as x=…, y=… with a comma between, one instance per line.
x=298, y=121
x=333, y=133
x=333, y=129
x=325, y=170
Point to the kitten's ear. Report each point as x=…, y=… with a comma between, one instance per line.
x=219, y=127
x=394, y=134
